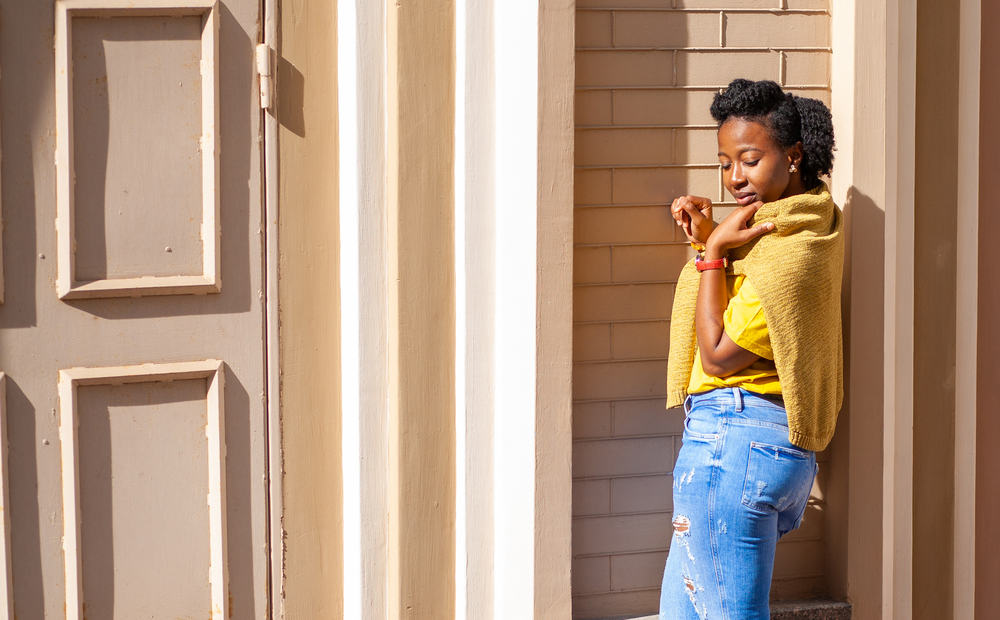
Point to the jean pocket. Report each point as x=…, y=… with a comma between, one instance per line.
x=777, y=477
x=697, y=428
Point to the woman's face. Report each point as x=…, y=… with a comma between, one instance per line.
x=754, y=166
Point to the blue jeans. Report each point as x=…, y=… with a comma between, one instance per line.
x=739, y=485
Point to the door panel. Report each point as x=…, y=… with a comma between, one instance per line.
x=161, y=236
x=142, y=456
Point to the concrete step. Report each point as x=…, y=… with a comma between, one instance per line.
x=787, y=610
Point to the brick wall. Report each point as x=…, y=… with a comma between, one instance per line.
x=646, y=73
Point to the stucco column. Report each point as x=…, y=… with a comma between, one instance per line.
x=455, y=166
x=515, y=157
x=420, y=62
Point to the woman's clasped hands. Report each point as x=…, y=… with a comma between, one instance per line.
x=694, y=215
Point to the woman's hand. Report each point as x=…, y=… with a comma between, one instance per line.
x=694, y=214
x=733, y=232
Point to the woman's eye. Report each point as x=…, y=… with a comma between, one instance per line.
x=726, y=166
x=751, y=163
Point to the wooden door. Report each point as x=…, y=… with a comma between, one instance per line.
x=131, y=328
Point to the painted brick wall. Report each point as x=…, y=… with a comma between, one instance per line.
x=646, y=73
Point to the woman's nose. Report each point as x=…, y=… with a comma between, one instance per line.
x=737, y=178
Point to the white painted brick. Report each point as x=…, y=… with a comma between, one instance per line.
x=632, y=340
x=647, y=417
x=623, y=225
x=616, y=604
x=592, y=342
x=591, y=575
x=623, y=147
x=777, y=30
x=643, y=263
x=591, y=497
x=625, y=4
x=642, y=494
x=809, y=4
x=591, y=420
x=807, y=68
x=720, y=68
x=680, y=107
x=593, y=29
x=662, y=29
x=622, y=303
x=637, y=570
x=593, y=107
x=799, y=559
x=727, y=4
x=592, y=187
x=696, y=146
x=662, y=185
x=616, y=380
x=621, y=534
x=624, y=68
x=621, y=457
x=592, y=265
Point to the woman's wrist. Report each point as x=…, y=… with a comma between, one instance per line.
x=713, y=251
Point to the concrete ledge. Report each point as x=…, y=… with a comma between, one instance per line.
x=811, y=610
x=787, y=610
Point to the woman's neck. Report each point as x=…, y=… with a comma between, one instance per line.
x=795, y=186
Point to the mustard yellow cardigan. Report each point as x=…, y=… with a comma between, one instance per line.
x=796, y=270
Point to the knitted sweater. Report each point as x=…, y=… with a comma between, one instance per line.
x=796, y=270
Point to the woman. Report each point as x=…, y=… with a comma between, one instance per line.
x=755, y=352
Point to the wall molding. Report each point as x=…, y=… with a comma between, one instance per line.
x=72, y=378
x=209, y=281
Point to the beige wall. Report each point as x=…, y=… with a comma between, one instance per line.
x=988, y=423
x=309, y=310
x=420, y=192
x=646, y=74
x=934, y=308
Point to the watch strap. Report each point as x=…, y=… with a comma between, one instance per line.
x=705, y=265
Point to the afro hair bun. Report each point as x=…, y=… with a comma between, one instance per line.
x=789, y=118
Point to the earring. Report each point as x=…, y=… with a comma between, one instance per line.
x=792, y=168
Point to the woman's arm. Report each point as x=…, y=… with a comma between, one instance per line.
x=720, y=356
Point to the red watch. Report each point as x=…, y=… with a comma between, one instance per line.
x=705, y=265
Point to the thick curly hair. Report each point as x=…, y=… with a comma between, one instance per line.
x=789, y=119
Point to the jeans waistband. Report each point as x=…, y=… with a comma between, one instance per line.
x=738, y=397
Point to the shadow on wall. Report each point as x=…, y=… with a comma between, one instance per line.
x=291, y=98
x=862, y=305
x=640, y=142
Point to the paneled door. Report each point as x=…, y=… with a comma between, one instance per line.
x=131, y=322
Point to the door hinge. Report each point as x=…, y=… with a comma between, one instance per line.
x=263, y=56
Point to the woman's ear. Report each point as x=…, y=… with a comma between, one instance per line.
x=794, y=154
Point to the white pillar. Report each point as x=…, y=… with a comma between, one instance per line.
x=515, y=307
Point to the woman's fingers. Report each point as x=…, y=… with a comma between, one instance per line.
x=748, y=211
x=756, y=230
x=759, y=230
x=693, y=211
x=693, y=206
x=676, y=212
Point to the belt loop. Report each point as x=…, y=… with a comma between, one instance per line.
x=687, y=405
x=738, y=399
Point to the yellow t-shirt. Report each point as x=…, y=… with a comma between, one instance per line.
x=744, y=323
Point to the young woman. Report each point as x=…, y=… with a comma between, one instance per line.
x=755, y=352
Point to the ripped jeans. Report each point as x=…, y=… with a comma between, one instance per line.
x=739, y=485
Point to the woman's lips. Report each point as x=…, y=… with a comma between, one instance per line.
x=745, y=199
